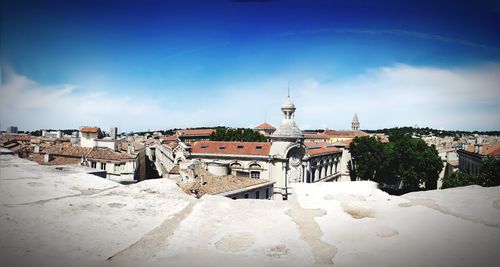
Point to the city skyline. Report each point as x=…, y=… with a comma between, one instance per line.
x=173, y=65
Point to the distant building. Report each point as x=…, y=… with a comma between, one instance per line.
x=12, y=129
x=52, y=134
x=194, y=135
x=343, y=136
x=113, y=133
x=89, y=135
x=470, y=160
x=355, y=123
x=265, y=129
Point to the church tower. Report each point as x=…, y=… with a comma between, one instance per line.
x=288, y=130
x=355, y=123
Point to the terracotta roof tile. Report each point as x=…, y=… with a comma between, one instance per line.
x=316, y=148
x=333, y=133
x=265, y=126
x=316, y=136
x=89, y=129
x=233, y=148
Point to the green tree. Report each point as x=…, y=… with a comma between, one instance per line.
x=404, y=159
x=367, y=155
x=459, y=179
x=238, y=134
x=490, y=172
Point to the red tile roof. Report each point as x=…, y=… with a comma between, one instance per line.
x=89, y=129
x=196, y=132
x=265, y=126
x=91, y=153
x=333, y=133
x=316, y=136
x=316, y=148
x=233, y=148
x=169, y=138
x=494, y=153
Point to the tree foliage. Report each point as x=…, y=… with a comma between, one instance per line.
x=490, y=172
x=459, y=179
x=403, y=159
x=237, y=134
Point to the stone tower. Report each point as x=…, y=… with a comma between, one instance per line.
x=288, y=130
x=355, y=123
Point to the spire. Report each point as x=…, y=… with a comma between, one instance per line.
x=355, y=123
x=288, y=89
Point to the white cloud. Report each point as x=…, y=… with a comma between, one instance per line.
x=399, y=95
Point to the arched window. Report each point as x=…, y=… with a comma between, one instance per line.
x=235, y=165
x=255, y=166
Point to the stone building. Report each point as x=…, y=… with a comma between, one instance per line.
x=285, y=159
x=470, y=160
x=355, y=123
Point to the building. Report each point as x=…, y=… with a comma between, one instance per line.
x=12, y=130
x=343, y=136
x=89, y=135
x=470, y=160
x=52, y=134
x=265, y=129
x=113, y=133
x=316, y=137
x=193, y=135
x=285, y=159
x=355, y=123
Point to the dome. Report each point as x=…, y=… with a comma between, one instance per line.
x=288, y=104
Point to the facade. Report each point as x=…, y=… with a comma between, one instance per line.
x=52, y=134
x=113, y=133
x=470, y=160
x=12, y=129
x=316, y=137
x=89, y=135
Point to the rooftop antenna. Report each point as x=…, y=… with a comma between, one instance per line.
x=288, y=89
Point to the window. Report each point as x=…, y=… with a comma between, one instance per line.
x=93, y=164
x=257, y=194
x=222, y=147
x=258, y=147
x=255, y=175
x=267, y=193
x=239, y=146
x=103, y=166
x=204, y=146
x=246, y=195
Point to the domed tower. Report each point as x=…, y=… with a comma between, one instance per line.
x=355, y=123
x=288, y=130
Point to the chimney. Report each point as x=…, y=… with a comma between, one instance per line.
x=47, y=158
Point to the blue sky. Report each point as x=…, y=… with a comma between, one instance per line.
x=162, y=64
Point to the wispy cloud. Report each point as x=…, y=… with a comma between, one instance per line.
x=397, y=95
x=396, y=32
